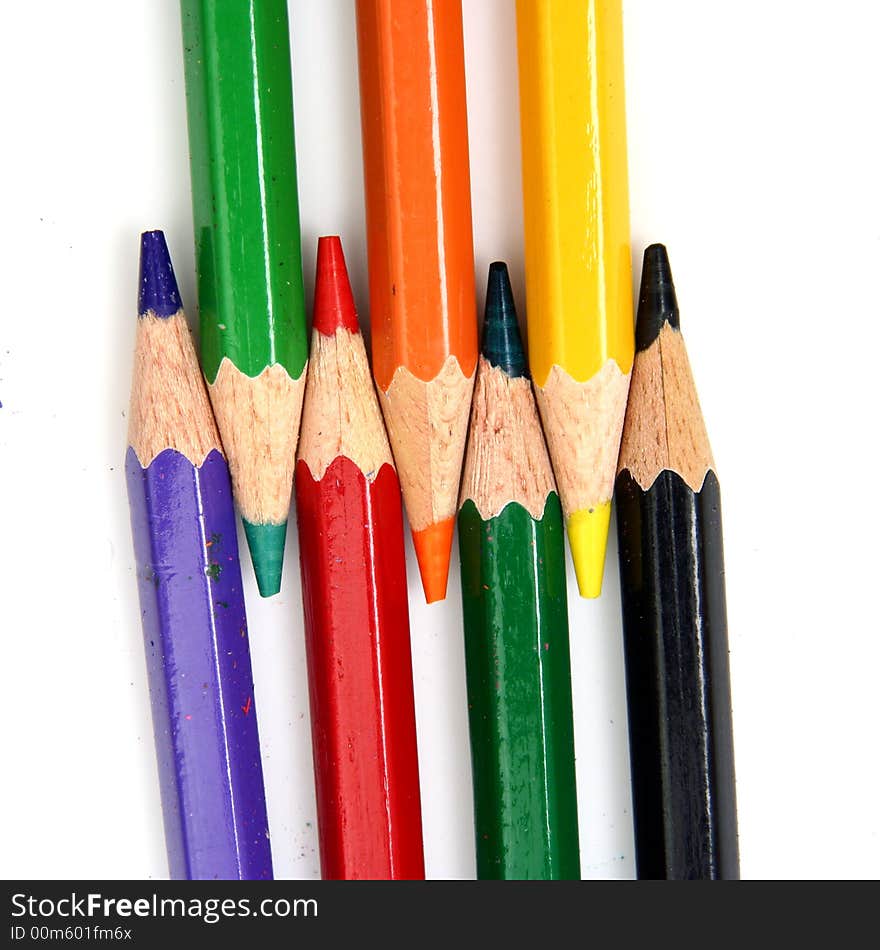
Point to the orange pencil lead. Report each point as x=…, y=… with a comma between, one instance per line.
x=433, y=545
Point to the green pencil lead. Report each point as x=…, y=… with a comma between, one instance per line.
x=502, y=344
x=266, y=544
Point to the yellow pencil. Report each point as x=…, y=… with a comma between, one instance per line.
x=578, y=265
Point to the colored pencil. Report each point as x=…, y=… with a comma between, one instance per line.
x=245, y=211
x=355, y=603
x=421, y=256
x=515, y=620
x=578, y=270
x=674, y=615
x=189, y=581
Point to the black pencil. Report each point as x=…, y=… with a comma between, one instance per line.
x=674, y=614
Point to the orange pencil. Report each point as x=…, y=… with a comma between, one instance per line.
x=420, y=246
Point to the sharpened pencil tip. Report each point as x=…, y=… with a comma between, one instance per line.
x=334, y=302
x=157, y=286
x=502, y=343
x=657, y=301
x=266, y=543
x=433, y=547
x=588, y=539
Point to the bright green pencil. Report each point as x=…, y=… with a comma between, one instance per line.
x=246, y=217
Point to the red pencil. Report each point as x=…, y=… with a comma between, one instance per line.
x=355, y=603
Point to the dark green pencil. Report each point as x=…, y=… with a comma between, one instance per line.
x=515, y=620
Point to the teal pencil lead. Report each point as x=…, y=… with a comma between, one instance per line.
x=502, y=344
x=266, y=544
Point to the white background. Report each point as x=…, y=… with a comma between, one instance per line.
x=754, y=155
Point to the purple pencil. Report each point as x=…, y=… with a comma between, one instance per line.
x=189, y=580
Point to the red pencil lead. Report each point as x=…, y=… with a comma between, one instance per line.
x=334, y=303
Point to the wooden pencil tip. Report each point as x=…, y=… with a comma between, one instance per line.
x=433, y=547
x=502, y=343
x=657, y=301
x=157, y=286
x=334, y=301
